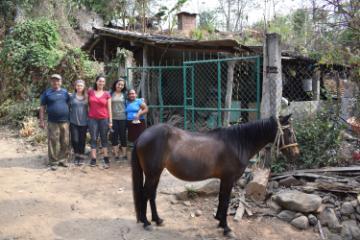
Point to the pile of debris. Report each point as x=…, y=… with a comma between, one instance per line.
x=326, y=199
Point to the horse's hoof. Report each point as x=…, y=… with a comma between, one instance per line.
x=221, y=226
x=230, y=235
x=148, y=228
x=160, y=222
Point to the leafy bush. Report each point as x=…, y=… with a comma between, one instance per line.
x=75, y=65
x=31, y=53
x=15, y=112
x=27, y=55
x=319, y=141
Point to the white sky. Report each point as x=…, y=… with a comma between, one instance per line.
x=255, y=14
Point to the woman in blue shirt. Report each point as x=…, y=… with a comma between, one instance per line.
x=135, y=111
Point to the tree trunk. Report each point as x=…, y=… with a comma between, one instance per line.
x=228, y=28
x=256, y=189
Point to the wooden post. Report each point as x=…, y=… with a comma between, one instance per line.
x=316, y=84
x=229, y=90
x=338, y=94
x=144, y=73
x=106, y=55
x=129, y=61
x=270, y=106
x=272, y=82
x=272, y=77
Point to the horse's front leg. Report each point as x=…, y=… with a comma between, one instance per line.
x=224, y=197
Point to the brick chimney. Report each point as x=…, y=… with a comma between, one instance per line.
x=186, y=21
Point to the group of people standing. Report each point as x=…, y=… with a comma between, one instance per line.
x=95, y=110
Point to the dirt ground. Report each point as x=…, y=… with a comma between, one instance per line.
x=93, y=203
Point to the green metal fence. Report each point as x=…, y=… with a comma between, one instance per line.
x=162, y=87
x=208, y=84
x=201, y=95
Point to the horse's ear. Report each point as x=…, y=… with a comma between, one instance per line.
x=285, y=119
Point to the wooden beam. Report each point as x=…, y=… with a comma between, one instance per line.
x=323, y=170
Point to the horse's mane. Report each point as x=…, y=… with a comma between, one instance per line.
x=246, y=132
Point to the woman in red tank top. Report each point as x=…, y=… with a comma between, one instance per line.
x=100, y=119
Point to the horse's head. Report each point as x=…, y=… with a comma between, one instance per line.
x=286, y=140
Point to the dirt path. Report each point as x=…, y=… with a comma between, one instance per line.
x=86, y=203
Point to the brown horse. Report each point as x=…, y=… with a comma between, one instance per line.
x=222, y=153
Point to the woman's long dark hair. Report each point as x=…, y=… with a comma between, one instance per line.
x=96, y=79
x=113, y=88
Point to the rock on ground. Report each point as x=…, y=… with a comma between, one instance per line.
x=273, y=205
x=289, y=181
x=312, y=220
x=198, y=213
x=328, y=218
x=350, y=230
x=286, y=215
x=301, y=222
x=298, y=201
x=203, y=188
x=333, y=236
x=347, y=208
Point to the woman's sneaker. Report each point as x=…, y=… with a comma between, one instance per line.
x=93, y=163
x=77, y=161
x=106, y=162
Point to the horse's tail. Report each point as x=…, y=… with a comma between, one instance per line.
x=137, y=181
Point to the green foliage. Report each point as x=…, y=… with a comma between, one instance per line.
x=31, y=53
x=197, y=34
x=75, y=65
x=14, y=112
x=8, y=7
x=167, y=14
x=207, y=21
x=97, y=6
x=319, y=141
x=299, y=18
x=279, y=165
x=191, y=192
x=28, y=52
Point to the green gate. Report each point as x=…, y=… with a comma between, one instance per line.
x=203, y=94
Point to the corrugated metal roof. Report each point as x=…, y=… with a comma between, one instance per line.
x=224, y=45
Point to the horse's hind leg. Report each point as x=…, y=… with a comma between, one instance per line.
x=224, y=197
x=143, y=210
x=151, y=186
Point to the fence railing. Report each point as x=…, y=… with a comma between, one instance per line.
x=201, y=94
x=221, y=91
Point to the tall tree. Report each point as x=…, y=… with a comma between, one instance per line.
x=233, y=11
x=169, y=14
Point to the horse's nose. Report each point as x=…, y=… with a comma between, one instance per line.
x=295, y=153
